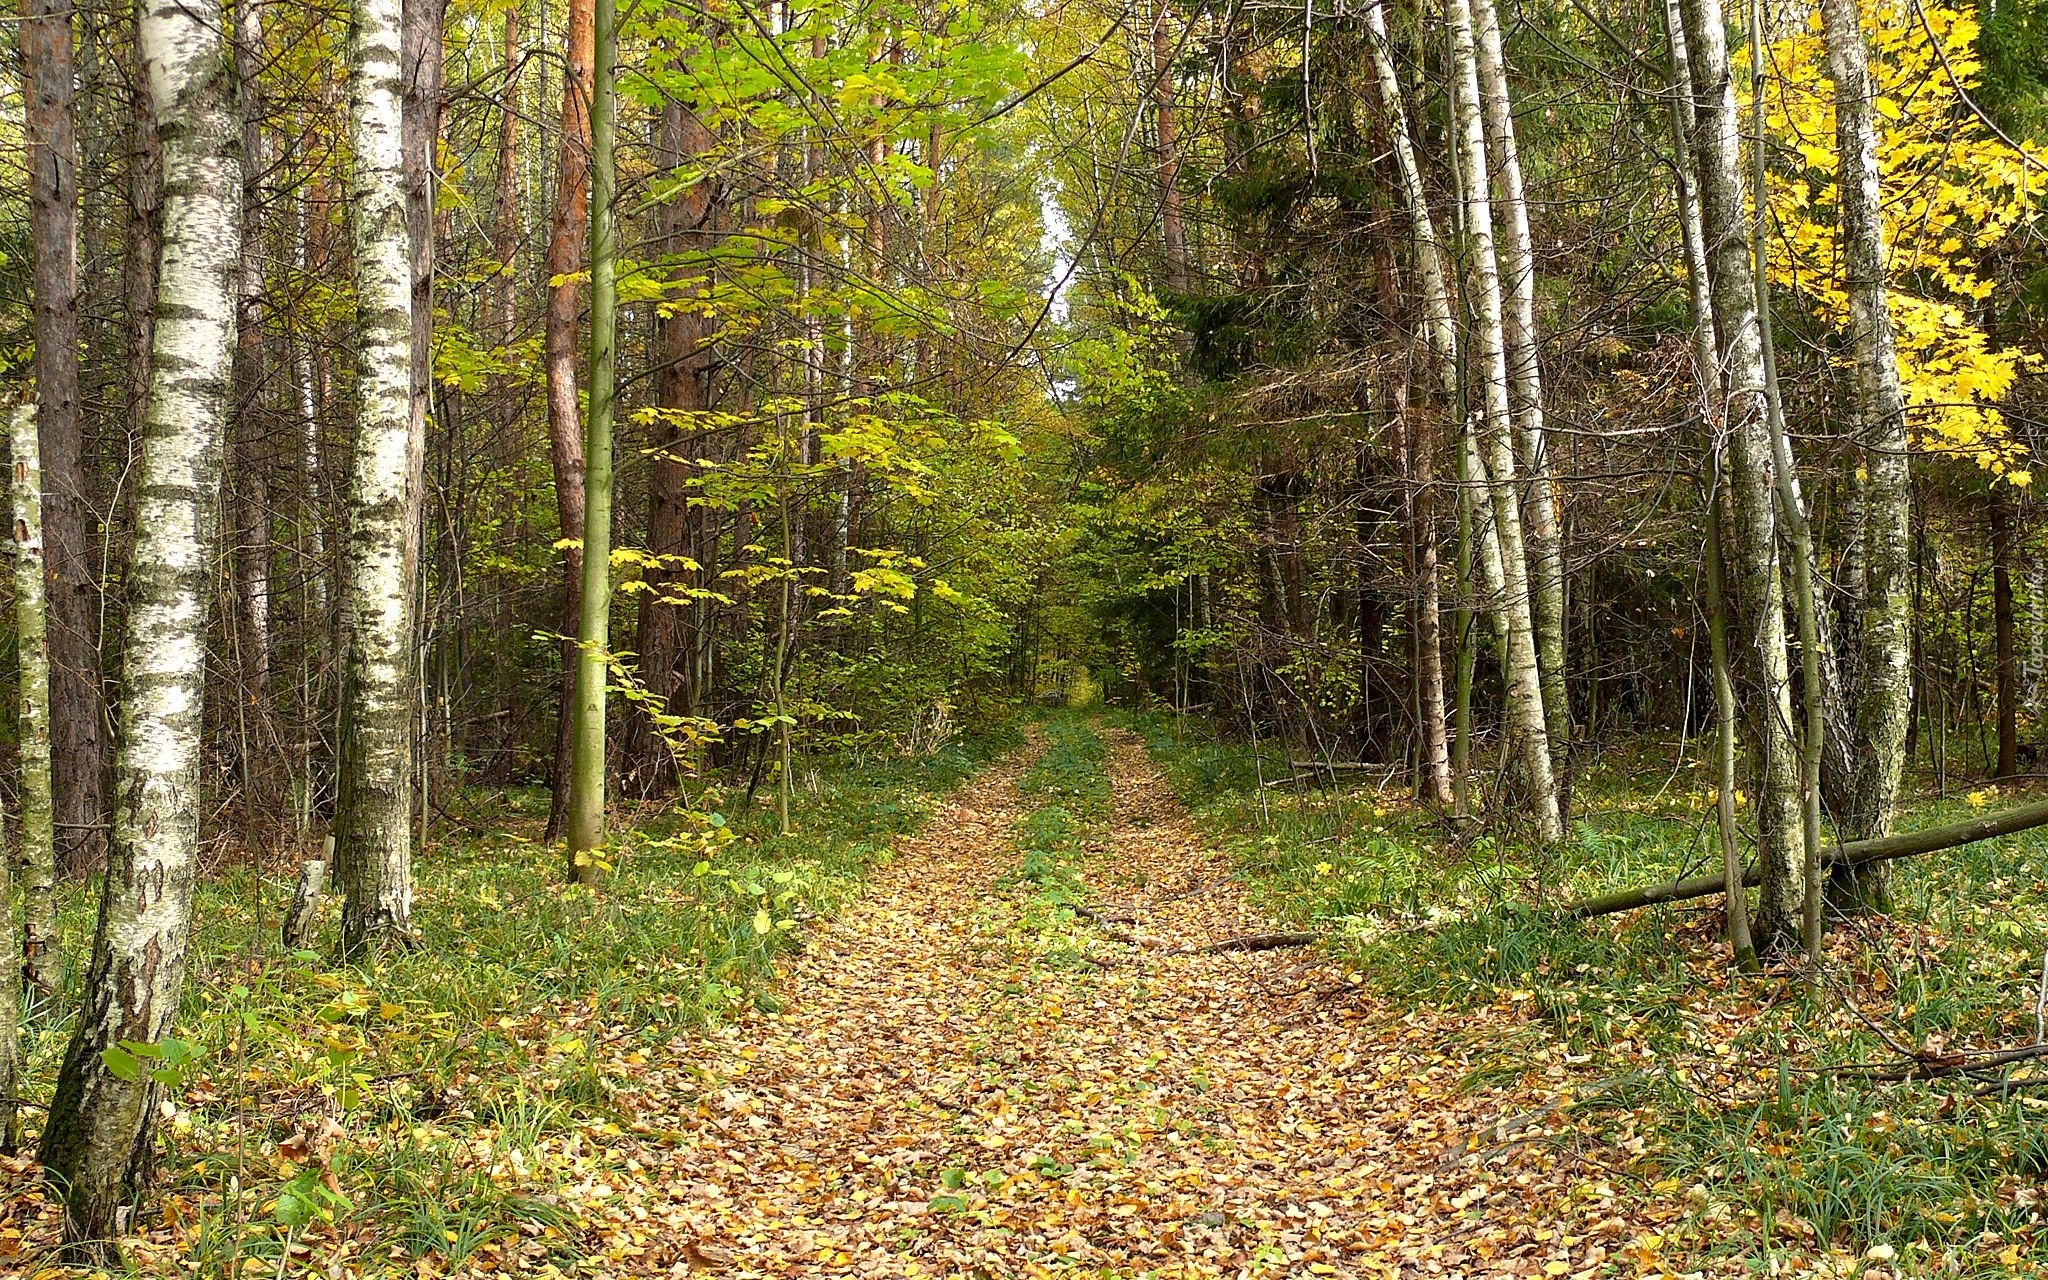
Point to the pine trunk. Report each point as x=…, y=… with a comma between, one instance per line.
x=97, y=1142
x=1165, y=118
x=79, y=707
x=682, y=389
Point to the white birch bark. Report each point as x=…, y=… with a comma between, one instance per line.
x=1438, y=326
x=1518, y=265
x=1521, y=670
x=1440, y=336
x=42, y=956
x=1724, y=214
x=373, y=828
x=99, y=1133
x=1884, y=704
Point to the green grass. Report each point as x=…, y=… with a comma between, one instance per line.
x=468, y=1079
x=1729, y=1092
x=1073, y=791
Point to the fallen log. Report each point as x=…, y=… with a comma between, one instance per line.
x=1856, y=853
x=1252, y=942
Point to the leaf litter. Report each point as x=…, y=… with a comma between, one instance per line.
x=955, y=1081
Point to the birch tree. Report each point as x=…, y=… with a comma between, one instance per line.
x=1440, y=336
x=373, y=809
x=42, y=955
x=1519, y=339
x=1885, y=696
x=97, y=1140
x=1717, y=155
x=1521, y=670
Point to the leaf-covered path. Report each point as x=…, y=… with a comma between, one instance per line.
x=961, y=1084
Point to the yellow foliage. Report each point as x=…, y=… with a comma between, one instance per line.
x=1952, y=190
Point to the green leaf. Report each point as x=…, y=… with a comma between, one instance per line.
x=121, y=1063
x=762, y=924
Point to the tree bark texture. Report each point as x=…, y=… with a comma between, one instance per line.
x=79, y=704
x=1884, y=688
x=1532, y=452
x=593, y=666
x=566, y=243
x=1717, y=154
x=42, y=954
x=373, y=812
x=682, y=391
x=252, y=447
x=1521, y=667
x=97, y=1141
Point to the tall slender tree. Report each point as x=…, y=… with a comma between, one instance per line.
x=566, y=242
x=593, y=659
x=373, y=809
x=42, y=952
x=97, y=1139
x=1717, y=156
x=1511, y=591
x=81, y=715
x=1521, y=342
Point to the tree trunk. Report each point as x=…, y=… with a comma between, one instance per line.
x=1165, y=119
x=2005, y=671
x=1884, y=704
x=373, y=810
x=1718, y=157
x=78, y=705
x=1532, y=453
x=42, y=953
x=587, y=760
x=97, y=1141
x=1521, y=667
x=1707, y=376
x=682, y=389
x=251, y=481
x=566, y=243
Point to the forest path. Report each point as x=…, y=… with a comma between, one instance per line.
x=964, y=1084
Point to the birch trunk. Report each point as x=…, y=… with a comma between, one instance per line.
x=251, y=483
x=11, y=947
x=50, y=115
x=42, y=954
x=1792, y=515
x=1707, y=376
x=97, y=1142
x=1518, y=260
x=587, y=761
x=1521, y=668
x=566, y=243
x=1440, y=336
x=1884, y=701
x=373, y=808
x=1724, y=215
